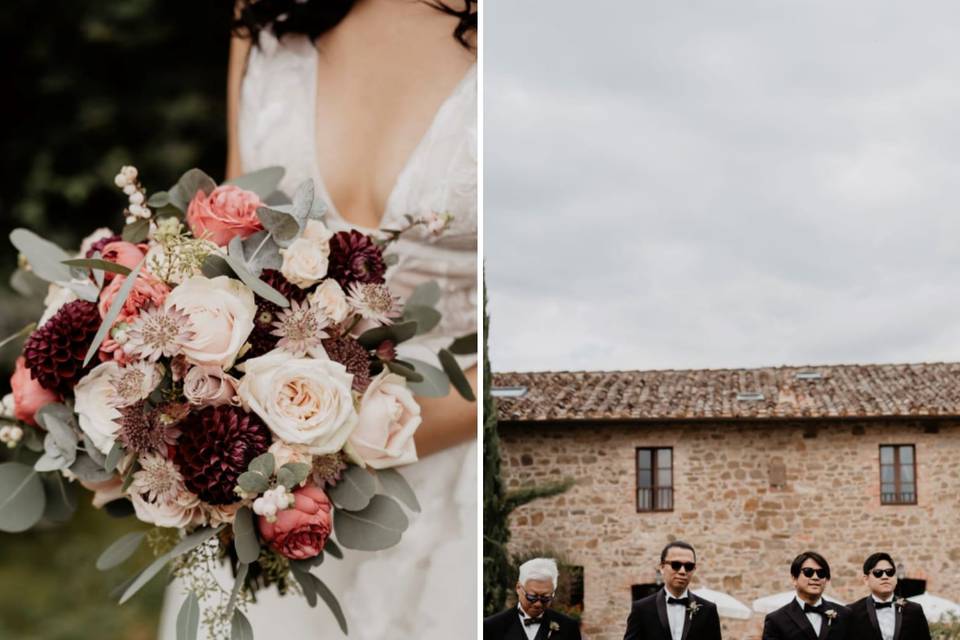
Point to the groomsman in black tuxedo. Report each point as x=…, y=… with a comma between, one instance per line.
x=532, y=619
x=808, y=616
x=673, y=613
x=882, y=616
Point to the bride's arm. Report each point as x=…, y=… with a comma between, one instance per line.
x=239, y=49
x=447, y=421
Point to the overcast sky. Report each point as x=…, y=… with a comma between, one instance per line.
x=728, y=184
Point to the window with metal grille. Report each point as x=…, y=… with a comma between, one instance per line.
x=898, y=474
x=654, y=479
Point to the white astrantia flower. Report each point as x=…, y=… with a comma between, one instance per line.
x=158, y=331
x=301, y=329
x=373, y=302
x=158, y=479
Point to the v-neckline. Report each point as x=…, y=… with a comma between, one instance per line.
x=332, y=209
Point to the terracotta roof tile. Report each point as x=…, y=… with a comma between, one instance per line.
x=841, y=391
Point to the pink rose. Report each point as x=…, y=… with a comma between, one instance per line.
x=227, y=212
x=28, y=395
x=148, y=291
x=125, y=254
x=389, y=416
x=301, y=531
x=208, y=385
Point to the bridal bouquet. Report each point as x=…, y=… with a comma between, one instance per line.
x=225, y=370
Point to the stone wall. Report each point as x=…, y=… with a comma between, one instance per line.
x=745, y=530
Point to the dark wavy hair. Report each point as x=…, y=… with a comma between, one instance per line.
x=313, y=18
x=797, y=563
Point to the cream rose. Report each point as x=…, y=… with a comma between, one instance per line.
x=389, y=416
x=100, y=394
x=221, y=311
x=303, y=401
x=284, y=453
x=210, y=386
x=330, y=299
x=306, y=260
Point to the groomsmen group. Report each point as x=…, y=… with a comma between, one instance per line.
x=673, y=613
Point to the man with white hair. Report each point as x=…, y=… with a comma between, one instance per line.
x=532, y=619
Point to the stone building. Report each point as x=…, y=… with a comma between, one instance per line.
x=751, y=466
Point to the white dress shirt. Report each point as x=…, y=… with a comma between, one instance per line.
x=887, y=618
x=529, y=629
x=815, y=618
x=675, y=614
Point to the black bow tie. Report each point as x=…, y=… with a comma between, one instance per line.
x=809, y=608
x=882, y=605
x=530, y=621
x=684, y=601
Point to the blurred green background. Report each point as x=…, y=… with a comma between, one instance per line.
x=93, y=85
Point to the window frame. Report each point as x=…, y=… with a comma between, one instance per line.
x=655, y=487
x=897, y=466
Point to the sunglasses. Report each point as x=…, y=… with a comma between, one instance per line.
x=878, y=573
x=676, y=565
x=809, y=572
x=531, y=598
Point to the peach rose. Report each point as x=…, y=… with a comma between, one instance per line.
x=389, y=416
x=148, y=291
x=227, y=212
x=28, y=395
x=301, y=531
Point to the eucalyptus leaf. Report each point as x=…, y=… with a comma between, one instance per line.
x=188, y=620
x=427, y=295
x=354, y=489
x=240, y=628
x=158, y=199
x=22, y=499
x=242, y=569
x=283, y=227
x=245, y=536
x=264, y=464
x=397, y=333
x=32, y=441
x=261, y=251
x=120, y=551
x=402, y=369
x=45, y=258
x=300, y=471
x=114, y=311
x=378, y=526
x=276, y=199
x=27, y=330
x=88, y=470
x=425, y=317
x=333, y=550
x=287, y=479
x=253, y=482
x=214, y=266
x=262, y=182
x=303, y=200
x=113, y=458
x=187, y=187
x=435, y=382
x=95, y=454
x=102, y=265
x=61, y=497
x=457, y=378
x=28, y=284
x=302, y=576
x=397, y=486
x=128, y=478
x=258, y=286
x=307, y=563
x=51, y=462
x=137, y=231
x=327, y=596
x=99, y=275
x=464, y=345
x=84, y=289
x=189, y=543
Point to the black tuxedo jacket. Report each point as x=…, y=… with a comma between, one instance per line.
x=911, y=622
x=506, y=625
x=648, y=620
x=790, y=623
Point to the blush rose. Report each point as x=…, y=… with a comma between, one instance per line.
x=227, y=212
x=28, y=395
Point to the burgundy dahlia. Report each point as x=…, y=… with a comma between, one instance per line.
x=261, y=340
x=54, y=353
x=100, y=244
x=215, y=446
x=351, y=354
x=355, y=257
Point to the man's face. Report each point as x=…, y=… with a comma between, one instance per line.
x=677, y=579
x=883, y=586
x=810, y=588
x=533, y=588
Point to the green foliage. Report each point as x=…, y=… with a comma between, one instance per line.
x=946, y=629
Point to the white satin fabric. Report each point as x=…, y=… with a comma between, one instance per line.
x=425, y=587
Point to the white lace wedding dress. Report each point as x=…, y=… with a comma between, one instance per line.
x=425, y=587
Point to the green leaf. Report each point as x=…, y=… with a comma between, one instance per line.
x=215, y=266
x=158, y=200
x=307, y=563
x=425, y=317
x=27, y=330
x=258, y=286
x=397, y=486
x=399, y=332
x=120, y=551
x=45, y=258
x=253, y=482
x=113, y=312
x=286, y=478
x=188, y=620
x=299, y=471
x=378, y=526
x=189, y=543
x=87, y=469
x=354, y=490
x=60, y=423
x=435, y=382
x=261, y=251
x=262, y=182
x=32, y=441
x=113, y=458
x=22, y=499
x=61, y=497
x=245, y=536
x=95, y=454
x=333, y=550
x=128, y=478
x=427, y=295
x=464, y=345
x=400, y=368
x=302, y=576
x=238, y=582
x=28, y=284
x=327, y=596
x=187, y=187
x=303, y=198
x=102, y=265
x=137, y=231
x=264, y=464
x=282, y=226
x=456, y=375
x=240, y=628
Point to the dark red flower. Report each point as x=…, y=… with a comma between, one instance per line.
x=54, y=353
x=355, y=257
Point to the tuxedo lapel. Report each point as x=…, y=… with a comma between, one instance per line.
x=796, y=614
x=544, y=629
x=898, y=621
x=687, y=622
x=515, y=631
x=662, y=612
x=872, y=616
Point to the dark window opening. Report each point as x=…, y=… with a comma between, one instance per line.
x=654, y=479
x=898, y=474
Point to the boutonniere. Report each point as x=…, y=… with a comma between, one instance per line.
x=900, y=603
x=693, y=607
x=831, y=615
x=554, y=626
